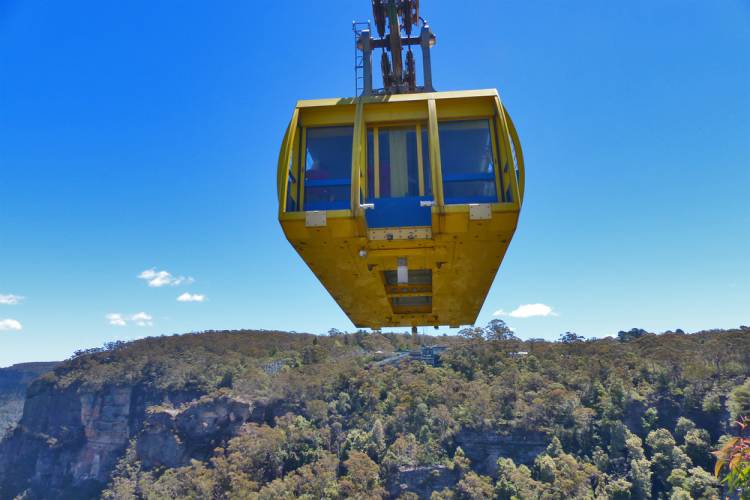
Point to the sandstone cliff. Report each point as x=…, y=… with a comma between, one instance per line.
x=69, y=439
x=13, y=383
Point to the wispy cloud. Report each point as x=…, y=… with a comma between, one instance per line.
x=116, y=319
x=10, y=299
x=528, y=311
x=142, y=319
x=191, y=297
x=139, y=319
x=158, y=279
x=10, y=324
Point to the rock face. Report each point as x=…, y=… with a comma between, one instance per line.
x=13, y=383
x=484, y=448
x=68, y=440
x=172, y=438
x=423, y=480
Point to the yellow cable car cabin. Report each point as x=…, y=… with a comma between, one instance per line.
x=402, y=205
x=403, y=200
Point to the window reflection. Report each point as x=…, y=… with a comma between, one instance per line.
x=328, y=164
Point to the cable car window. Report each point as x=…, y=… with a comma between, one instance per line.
x=466, y=153
x=398, y=162
x=393, y=161
x=328, y=168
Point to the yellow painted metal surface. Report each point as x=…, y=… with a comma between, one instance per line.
x=462, y=252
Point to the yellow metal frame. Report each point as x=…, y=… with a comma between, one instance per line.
x=463, y=253
x=436, y=169
x=376, y=161
x=359, y=138
x=301, y=165
x=420, y=160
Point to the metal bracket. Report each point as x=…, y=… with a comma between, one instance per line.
x=315, y=218
x=395, y=81
x=399, y=233
x=480, y=211
x=402, y=271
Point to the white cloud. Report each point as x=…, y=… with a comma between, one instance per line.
x=10, y=324
x=158, y=279
x=116, y=319
x=140, y=319
x=191, y=297
x=528, y=311
x=10, y=299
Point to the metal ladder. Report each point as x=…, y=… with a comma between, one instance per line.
x=359, y=61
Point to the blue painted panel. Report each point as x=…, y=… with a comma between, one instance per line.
x=327, y=205
x=469, y=177
x=327, y=182
x=399, y=212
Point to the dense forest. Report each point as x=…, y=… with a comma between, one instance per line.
x=268, y=415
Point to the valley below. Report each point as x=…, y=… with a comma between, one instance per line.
x=267, y=415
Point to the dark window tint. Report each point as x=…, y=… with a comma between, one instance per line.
x=426, y=162
x=370, y=168
x=328, y=166
x=467, y=162
x=398, y=162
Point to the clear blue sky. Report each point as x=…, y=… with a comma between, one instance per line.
x=143, y=135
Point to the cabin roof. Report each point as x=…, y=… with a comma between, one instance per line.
x=422, y=96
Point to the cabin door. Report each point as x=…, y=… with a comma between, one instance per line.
x=398, y=176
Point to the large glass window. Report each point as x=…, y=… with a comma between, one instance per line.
x=394, y=158
x=328, y=168
x=425, y=146
x=466, y=154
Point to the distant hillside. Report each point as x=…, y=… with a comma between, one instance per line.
x=13, y=382
x=267, y=415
